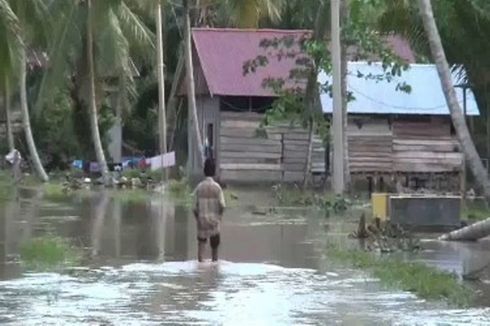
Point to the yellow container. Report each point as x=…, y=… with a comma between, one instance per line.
x=380, y=205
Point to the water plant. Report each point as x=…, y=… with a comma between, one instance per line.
x=55, y=192
x=294, y=196
x=425, y=281
x=49, y=252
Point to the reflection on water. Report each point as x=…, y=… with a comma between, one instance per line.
x=140, y=269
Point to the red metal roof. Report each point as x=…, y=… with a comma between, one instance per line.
x=222, y=53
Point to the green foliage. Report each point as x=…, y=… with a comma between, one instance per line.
x=55, y=133
x=476, y=210
x=48, y=253
x=6, y=186
x=55, y=192
x=144, y=175
x=424, y=281
x=180, y=190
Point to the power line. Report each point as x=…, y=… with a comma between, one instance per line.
x=400, y=106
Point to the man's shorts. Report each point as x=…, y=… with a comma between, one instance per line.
x=214, y=240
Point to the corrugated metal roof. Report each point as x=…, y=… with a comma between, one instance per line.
x=381, y=97
x=222, y=53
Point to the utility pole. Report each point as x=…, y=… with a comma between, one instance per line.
x=162, y=119
x=337, y=121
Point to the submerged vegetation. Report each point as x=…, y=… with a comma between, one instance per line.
x=294, y=196
x=476, y=211
x=49, y=252
x=55, y=192
x=131, y=196
x=424, y=281
x=6, y=187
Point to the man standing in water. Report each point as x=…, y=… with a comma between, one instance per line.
x=208, y=210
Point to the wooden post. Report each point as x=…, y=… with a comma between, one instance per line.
x=338, y=139
x=162, y=119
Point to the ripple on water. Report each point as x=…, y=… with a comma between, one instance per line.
x=225, y=293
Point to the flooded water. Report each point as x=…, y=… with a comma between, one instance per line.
x=140, y=269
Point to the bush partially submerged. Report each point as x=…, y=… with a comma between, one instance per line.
x=425, y=281
x=294, y=196
x=48, y=252
x=55, y=192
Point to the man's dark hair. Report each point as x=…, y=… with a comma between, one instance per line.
x=209, y=168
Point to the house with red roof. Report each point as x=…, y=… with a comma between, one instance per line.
x=386, y=129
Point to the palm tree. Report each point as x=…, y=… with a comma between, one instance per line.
x=97, y=43
x=457, y=117
x=162, y=120
x=249, y=13
x=191, y=92
x=9, y=41
x=29, y=16
x=94, y=121
x=6, y=99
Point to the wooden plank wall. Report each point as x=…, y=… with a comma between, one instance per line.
x=370, y=145
x=407, y=146
x=375, y=146
x=244, y=156
x=425, y=146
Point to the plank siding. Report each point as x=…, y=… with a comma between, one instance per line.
x=376, y=145
x=425, y=146
x=245, y=156
x=407, y=145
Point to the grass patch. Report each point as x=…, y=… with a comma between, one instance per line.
x=425, y=281
x=179, y=189
x=475, y=210
x=55, y=192
x=49, y=252
x=144, y=175
x=294, y=196
x=6, y=186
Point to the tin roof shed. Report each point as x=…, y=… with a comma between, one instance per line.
x=382, y=97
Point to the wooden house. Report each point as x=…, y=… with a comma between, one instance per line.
x=231, y=104
x=392, y=135
x=398, y=136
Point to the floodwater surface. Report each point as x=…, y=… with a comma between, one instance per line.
x=140, y=269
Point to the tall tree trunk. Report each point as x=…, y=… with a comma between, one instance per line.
x=337, y=123
x=8, y=118
x=487, y=106
x=173, y=100
x=311, y=92
x=307, y=171
x=26, y=123
x=437, y=50
x=191, y=91
x=94, y=123
x=344, y=16
x=162, y=118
